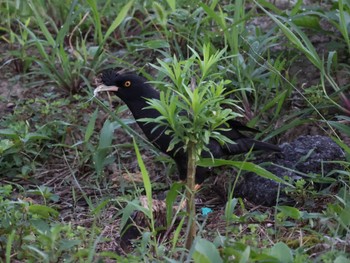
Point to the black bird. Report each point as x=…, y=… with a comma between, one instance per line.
x=135, y=91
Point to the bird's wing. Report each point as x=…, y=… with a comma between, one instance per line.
x=242, y=142
x=240, y=127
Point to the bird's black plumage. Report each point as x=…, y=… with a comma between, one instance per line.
x=135, y=91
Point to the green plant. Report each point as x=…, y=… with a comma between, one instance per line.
x=301, y=41
x=192, y=110
x=18, y=43
x=339, y=17
x=147, y=210
x=103, y=154
x=201, y=98
x=254, y=68
x=29, y=135
x=19, y=149
x=67, y=68
x=32, y=231
x=338, y=220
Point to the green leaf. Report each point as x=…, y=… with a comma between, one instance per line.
x=104, y=146
x=296, y=7
x=145, y=176
x=287, y=126
x=8, y=132
x=146, y=181
x=345, y=216
x=290, y=211
x=99, y=208
x=44, y=256
x=341, y=127
x=170, y=199
x=282, y=252
x=247, y=166
x=100, y=159
x=156, y=44
x=96, y=19
x=43, y=211
x=68, y=22
x=245, y=255
x=230, y=207
x=106, y=135
x=67, y=244
x=41, y=224
x=5, y=144
x=172, y=4
x=118, y=20
x=205, y=252
x=41, y=23
x=126, y=213
x=9, y=243
x=217, y=18
x=308, y=21
x=33, y=136
x=342, y=144
x=270, y=6
x=342, y=259
x=344, y=21
x=300, y=40
x=177, y=233
x=91, y=126
x=160, y=13
x=130, y=208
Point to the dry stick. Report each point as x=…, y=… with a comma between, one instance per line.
x=190, y=192
x=74, y=29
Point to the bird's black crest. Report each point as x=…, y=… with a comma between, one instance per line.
x=109, y=77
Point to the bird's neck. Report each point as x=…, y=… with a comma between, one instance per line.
x=158, y=137
x=139, y=109
x=138, y=104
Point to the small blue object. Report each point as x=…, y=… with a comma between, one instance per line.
x=206, y=211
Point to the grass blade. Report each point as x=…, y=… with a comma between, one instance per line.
x=91, y=126
x=247, y=166
x=146, y=181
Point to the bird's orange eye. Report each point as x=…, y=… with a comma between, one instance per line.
x=127, y=83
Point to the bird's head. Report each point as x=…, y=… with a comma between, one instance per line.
x=127, y=86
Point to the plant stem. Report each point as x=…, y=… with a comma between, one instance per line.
x=191, y=206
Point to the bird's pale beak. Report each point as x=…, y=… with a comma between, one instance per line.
x=105, y=88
